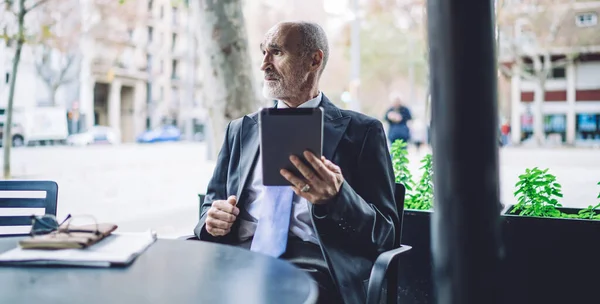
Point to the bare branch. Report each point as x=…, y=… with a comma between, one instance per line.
x=69, y=80
x=42, y=65
x=35, y=5
x=61, y=78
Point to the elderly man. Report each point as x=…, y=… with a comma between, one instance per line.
x=340, y=214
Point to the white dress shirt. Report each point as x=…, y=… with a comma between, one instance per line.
x=300, y=222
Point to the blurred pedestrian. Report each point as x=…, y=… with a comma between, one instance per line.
x=397, y=117
x=505, y=132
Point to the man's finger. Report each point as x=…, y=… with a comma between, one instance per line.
x=217, y=231
x=333, y=167
x=232, y=200
x=222, y=215
x=307, y=172
x=215, y=223
x=227, y=207
x=317, y=164
x=294, y=180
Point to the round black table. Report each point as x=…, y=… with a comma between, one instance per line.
x=170, y=271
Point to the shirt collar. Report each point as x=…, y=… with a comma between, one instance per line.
x=313, y=103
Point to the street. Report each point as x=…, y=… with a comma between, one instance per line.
x=156, y=186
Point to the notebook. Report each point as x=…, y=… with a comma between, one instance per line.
x=117, y=249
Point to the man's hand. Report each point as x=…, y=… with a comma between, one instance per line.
x=324, y=179
x=394, y=116
x=221, y=216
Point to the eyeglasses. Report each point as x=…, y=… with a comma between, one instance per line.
x=46, y=224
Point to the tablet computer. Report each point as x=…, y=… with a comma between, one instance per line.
x=285, y=132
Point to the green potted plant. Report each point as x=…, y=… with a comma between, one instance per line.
x=415, y=269
x=540, y=234
x=548, y=250
x=537, y=195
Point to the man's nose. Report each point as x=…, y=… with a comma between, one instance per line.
x=266, y=63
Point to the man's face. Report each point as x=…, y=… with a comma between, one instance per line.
x=285, y=69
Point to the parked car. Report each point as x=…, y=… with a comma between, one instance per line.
x=95, y=135
x=160, y=134
x=17, y=135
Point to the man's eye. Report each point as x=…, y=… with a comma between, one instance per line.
x=276, y=52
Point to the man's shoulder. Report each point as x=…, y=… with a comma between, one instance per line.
x=237, y=123
x=360, y=119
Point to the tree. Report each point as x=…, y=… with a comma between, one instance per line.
x=20, y=38
x=228, y=82
x=57, y=57
x=393, y=45
x=533, y=36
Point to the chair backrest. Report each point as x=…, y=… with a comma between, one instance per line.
x=399, y=194
x=21, y=199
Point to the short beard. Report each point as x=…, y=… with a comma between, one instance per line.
x=273, y=91
x=279, y=90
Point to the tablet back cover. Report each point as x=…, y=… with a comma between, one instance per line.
x=285, y=132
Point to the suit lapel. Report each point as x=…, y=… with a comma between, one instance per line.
x=333, y=128
x=248, y=149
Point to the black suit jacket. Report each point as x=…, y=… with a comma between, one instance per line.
x=355, y=227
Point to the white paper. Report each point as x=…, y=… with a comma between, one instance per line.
x=117, y=248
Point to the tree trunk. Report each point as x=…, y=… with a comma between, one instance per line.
x=7, y=136
x=52, y=101
x=541, y=73
x=538, y=115
x=228, y=82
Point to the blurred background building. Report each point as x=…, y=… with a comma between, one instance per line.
x=550, y=55
x=129, y=66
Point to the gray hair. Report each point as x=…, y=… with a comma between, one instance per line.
x=313, y=39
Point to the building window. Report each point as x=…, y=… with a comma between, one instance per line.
x=175, y=19
x=148, y=93
x=586, y=19
x=148, y=62
x=7, y=77
x=174, y=69
x=588, y=127
x=150, y=5
x=150, y=34
x=174, y=45
x=162, y=12
x=558, y=73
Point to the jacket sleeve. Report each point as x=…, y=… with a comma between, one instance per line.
x=385, y=117
x=407, y=115
x=364, y=214
x=216, y=190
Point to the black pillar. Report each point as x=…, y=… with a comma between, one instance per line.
x=465, y=226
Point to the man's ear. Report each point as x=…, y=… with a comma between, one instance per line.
x=316, y=60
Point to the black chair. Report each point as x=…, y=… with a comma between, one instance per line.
x=25, y=200
x=386, y=265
